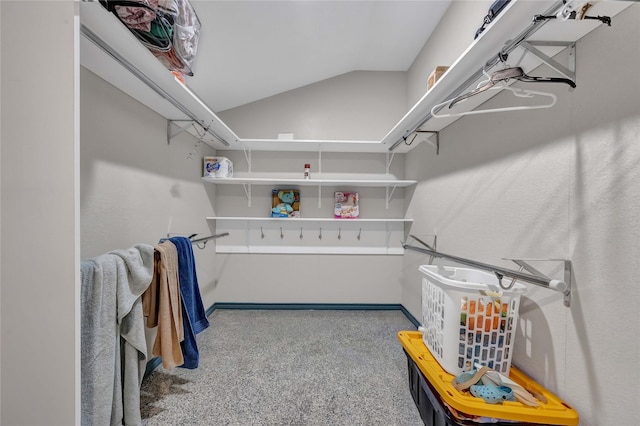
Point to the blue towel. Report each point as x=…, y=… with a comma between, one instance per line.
x=194, y=317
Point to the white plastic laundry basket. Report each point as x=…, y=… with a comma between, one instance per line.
x=467, y=318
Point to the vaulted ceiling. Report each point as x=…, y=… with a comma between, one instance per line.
x=250, y=50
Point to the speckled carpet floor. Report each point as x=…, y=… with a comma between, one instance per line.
x=266, y=367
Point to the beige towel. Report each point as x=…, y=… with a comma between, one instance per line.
x=163, y=307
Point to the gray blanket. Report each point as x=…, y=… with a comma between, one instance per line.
x=114, y=352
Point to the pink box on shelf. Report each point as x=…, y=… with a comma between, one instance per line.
x=346, y=206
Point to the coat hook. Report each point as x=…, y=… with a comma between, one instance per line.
x=261, y=233
x=339, y=233
x=359, y=232
x=499, y=276
x=281, y=234
x=320, y=234
x=512, y=282
x=301, y=233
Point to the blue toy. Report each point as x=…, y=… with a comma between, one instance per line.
x=284, y=208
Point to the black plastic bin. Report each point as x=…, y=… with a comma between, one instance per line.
x=432, y=411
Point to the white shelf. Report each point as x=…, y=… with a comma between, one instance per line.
x=306, y=145
x=510, y=22
x=517, y=16
x=309, y=250
x=379, y=183
x=311, y=235
x=307, y=219
x=389, y=184
x=104, y=25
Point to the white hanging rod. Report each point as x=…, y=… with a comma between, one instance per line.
x=541, y=281
x=146, y=80
x=500, y=56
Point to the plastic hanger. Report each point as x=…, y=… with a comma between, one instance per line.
x=521, y=93
x=506, y=74
x=497, y=81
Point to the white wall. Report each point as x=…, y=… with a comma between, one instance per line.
x=304, y=278
x=360, y=105
x=40, y=258
x=135, y=187
x=557, y=183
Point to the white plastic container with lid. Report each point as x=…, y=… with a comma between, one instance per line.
x=217, y=167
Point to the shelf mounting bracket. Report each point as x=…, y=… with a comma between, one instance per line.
x=389, y=160
x=247, y=191
x=172, y=123
x=247, y=156
x=436, y=145
x=390, y=194
x=568, y=72
x=523, y=263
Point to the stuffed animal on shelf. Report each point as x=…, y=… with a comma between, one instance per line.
x=284, y=203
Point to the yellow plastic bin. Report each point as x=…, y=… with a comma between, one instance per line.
x=552, y=412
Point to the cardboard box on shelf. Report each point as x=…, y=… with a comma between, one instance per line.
x=435, y=75
x=346, y=206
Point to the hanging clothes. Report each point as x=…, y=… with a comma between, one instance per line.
x=113, y=350
x=162, y=306
x=194, y=317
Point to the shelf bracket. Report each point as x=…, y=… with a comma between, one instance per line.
x=247, y=191
x=523, y=263
x=568, y=72
x=387, y=237
x=436, y=145
x=247, y=156
x=389, y=160
x=533, y=276
x=320, y=172
x=390, y=194
x=171, y=123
